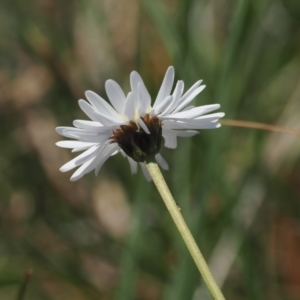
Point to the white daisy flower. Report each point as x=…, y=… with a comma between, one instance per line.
x=132, y=126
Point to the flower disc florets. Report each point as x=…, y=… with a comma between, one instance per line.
x=141, y=146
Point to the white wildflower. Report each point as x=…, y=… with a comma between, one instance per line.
x=132, y=126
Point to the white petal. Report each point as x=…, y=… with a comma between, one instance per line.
x=115, y=95
x=88, y=125
x=107, y=120
x=80, y=159
x=74, y=144
x=62, y=131
x=188, y=108
x=189, y=92
x=93, y=126
x=192, y=113
x=176, y=97
x=133, y=165
x=143, y=125
x=182, y=133
x=184, y=101
x=161, y=161
x=89, y=136
x=187, y=125
x=90, y=164
x=138, y=87
x=144, y=99
x=178, y=90
x=166, y=86
x=161, y=107
x=135, y=79
x=145, y=172
x=101, y=105
x=104, y=155
x=72, y=132
x=129, y=111
x=98, y=158
x=87, y=108
x=170, y=141
x=80, y=149
x=197, y=121
x=211, y=117
x=82, y=169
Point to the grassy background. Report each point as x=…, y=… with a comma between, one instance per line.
x=110, y=237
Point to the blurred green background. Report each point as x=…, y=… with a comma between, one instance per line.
x=110, y=237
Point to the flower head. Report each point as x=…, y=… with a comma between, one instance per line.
x=132, y=126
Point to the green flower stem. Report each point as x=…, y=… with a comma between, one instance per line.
x=199, y=260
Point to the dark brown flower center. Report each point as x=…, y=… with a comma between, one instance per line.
x=135, y=142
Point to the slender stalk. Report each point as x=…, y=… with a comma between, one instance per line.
x=262, y=126
x=184, y=230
